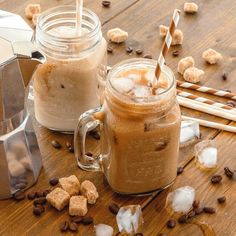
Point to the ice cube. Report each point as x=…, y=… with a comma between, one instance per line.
x=181, y=200
x=134, y=77
x=141, y=91
x=206, y=154
x=150, y=75
x=129, y=219
x=122, y=84
x=189, y=131
x=103, y=230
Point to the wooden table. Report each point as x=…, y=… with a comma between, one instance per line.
x=213, y=26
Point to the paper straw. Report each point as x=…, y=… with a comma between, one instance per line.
x=204, y=100
x=79, y=15
x=166, y=45
x=216, y=92
x=216, y=111
x=211, y=124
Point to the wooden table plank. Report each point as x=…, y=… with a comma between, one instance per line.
x=133, y=16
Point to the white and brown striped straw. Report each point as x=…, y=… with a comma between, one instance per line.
x=212, y=91
x=204, y=100
x=166, y=45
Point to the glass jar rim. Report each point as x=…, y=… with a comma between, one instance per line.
x=62, y=9
x=150, y=62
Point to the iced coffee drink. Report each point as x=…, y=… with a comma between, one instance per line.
x=140, y=128
x=72, y=78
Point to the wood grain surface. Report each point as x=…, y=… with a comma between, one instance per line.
x=213, y=26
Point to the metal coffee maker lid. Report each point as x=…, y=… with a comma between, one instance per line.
x=20, y=158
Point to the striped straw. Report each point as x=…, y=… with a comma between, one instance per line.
x=204, y=100
x=166, y=44
x=212, y=91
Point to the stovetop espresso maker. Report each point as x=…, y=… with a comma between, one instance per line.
x=20, y=158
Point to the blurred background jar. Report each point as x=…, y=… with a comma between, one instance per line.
x=71, y=80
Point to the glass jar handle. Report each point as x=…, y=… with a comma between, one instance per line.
x=87, y=122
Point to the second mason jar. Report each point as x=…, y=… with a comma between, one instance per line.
x=140, y=128
x=72, y=78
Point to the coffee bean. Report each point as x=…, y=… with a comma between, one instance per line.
x=209, y=210
x=129, y=49
x=46, y=192
x=70, y=147
x=20, y=186
x=77, y=219
x=114, y=208
x=73, y=227
x=191, y=214
x=139, y=51
x=198, y=210
x=196, y=203
x=31, y=195
x=180, y=170
x=171, y=223
x=228, y=172
x=95, y=134
x=224, y=76
x=90, y=154
x=221, y=199
x=41, y=207
x=175, y=53
x=148, y=56
x=216, y=179
x=87, y=220
x=109, y=49
x=19, y=195
x=160, y=146
x=40, y=201
x=64, y=226
x=37, y=211
x=62, y=86
x=106, y=3
x=183, y=219
x=40, y=193
x=56, y=144
x=54, y=181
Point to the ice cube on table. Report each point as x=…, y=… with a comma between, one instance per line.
x=181, y=199
x=129, y=219
x=122, y=85
x=142, y=91
x=189, y=131
x=103, y=230
x=206, y=154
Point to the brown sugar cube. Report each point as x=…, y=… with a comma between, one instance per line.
x=178, y=37
x=117, y=35
x=70, y=184
x=190, y=7
x=184, y=64
x=89, y=190
x=78, y=206
x=193, y=75
x=58, y=198
x=211, y=56
x=32, y=9
x=163, y=30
